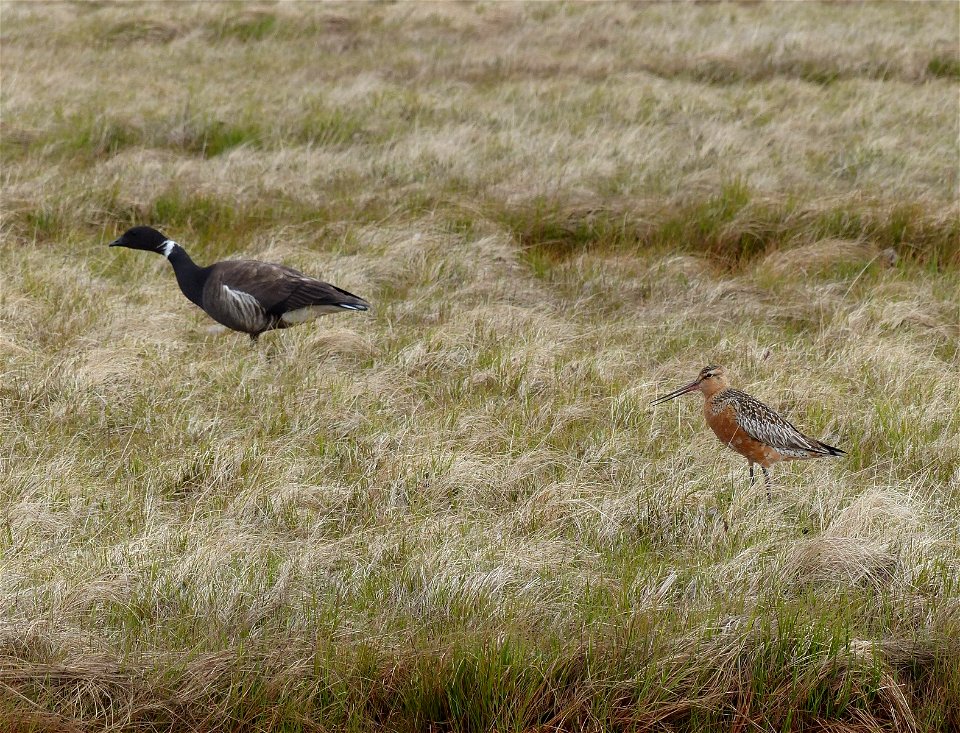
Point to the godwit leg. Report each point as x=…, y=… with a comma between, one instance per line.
x=751, y=474
x=766, y=476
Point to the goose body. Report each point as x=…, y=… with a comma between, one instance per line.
x=749, y=427
x=246, y=295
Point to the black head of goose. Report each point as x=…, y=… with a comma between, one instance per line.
x=245, y=295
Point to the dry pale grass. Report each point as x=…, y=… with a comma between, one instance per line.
x=458, y=512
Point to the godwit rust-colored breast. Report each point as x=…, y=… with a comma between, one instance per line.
x=721, y=413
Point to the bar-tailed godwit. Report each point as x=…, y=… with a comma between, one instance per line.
x=748, y=426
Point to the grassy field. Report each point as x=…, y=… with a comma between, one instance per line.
x=458, y=512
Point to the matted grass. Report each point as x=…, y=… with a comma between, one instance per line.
x=458, y=512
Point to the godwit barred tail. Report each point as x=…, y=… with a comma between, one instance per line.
x=748, y=426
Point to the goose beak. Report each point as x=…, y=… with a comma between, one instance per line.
x=677, y=392
x=118, y=242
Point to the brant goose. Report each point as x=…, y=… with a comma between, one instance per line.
x=748, y=426
x=245, y=295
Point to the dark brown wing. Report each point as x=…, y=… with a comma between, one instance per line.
x=279, y=289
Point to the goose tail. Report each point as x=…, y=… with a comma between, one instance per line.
x=351, y=302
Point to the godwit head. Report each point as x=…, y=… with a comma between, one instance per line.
x=710, y=380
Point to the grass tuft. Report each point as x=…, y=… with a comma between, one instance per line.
x=945, y=67
x=729, y=226
x=245, y=27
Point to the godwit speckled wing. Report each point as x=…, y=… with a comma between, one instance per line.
x=763, y=424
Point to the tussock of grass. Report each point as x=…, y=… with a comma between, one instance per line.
x=458, y=511
x=944, y=66
x=514, y=683
x=752, y=65
x=732, y=227
x=82, y=137
x=141, y=30
x=246, y=27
